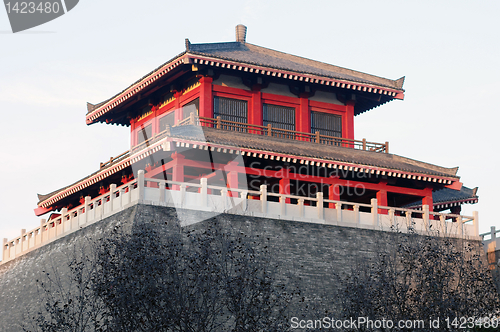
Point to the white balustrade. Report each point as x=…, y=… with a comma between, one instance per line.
x=195, y=196
x=492, y=243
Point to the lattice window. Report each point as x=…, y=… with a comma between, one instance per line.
x=231, y=109
x=326, y=124
x=279, y=116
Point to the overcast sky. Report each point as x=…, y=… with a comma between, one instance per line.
x=448, y=51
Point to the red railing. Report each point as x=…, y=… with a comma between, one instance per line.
x=268, y=130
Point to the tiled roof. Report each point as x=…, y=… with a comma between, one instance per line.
x=257, y=55
x=268, y=60
x=450, y=195
x=105, y=171
x=313, y=150
x=447, y=196
x=291, y=147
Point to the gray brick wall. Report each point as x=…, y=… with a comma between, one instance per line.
x=308, y=255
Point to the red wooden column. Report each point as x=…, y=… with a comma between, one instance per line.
x=349, y=120
x=333, y=194
x=303, y=116
x=284, y=183
x=285, y=188
x=206, y=97
x=155, y=126
x=255, y=110
x=177, y=106
x=427, y=200
x=132, y=135
x=232, y=178
x=382, y=200
x=177, y=169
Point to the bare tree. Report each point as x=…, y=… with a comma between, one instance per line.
x=421, y=278
x=68, y=302
x=164, y=278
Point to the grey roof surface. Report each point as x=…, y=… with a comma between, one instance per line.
x=257, y=55
x=43, y=197
x=313, y=150
x=447, y=195
x=450, y=195
x=297, y=148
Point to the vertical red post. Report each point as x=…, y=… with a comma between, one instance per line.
x=348, y=132
x=333, y=194
x=177, y=106
x=232, y=178
x=177, y=169
x=206, y=97
x=155, y=126
x=427, y=200
x=255, y=109
x=382, y=200
x=285, y=188
x=303, y=116
x=132, y=135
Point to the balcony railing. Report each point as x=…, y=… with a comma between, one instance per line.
x=203, y=197
x=271, y=131
x=114, y=159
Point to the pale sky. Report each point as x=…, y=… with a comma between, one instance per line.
x=448, y=52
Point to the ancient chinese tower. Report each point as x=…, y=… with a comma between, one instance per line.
x=238, y=128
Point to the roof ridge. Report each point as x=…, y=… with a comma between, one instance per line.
x=213, y=46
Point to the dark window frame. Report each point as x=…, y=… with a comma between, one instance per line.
x=226, y=115
x=324, y=130
x=270, y=107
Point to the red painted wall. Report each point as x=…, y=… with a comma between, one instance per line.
x=255, y=98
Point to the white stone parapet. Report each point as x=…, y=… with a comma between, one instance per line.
x=491, y=241
x=195, y=196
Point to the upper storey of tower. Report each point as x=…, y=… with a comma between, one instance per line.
x=249, y=67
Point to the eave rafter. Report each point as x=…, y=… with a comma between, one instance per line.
x=295, y=76
x=136, y=88
x=166, y=144
x=449, y=204
x=185, y=143
x=99, y=176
